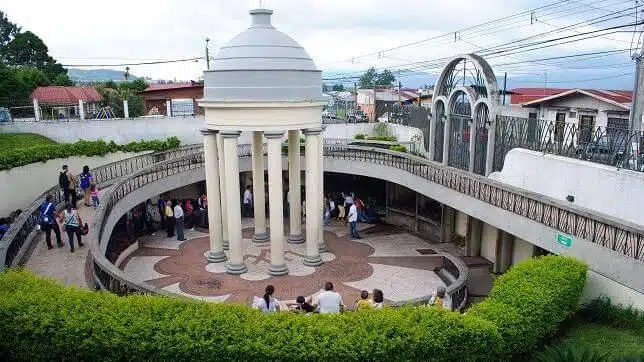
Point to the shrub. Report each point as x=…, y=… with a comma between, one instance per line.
x=603, y=311
x=398, y=148
x=563, y=353
x=42, y=153
x=383, y=138
x=529, y=301
x=359, y=136
x=41, y=320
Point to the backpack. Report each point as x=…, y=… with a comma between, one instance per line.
x=63, y=180
x=85, y=179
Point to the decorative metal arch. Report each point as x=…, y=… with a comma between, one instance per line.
x=466, y=77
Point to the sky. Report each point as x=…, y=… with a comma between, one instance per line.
x=336, y=33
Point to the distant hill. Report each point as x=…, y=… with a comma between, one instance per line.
x=97, y=75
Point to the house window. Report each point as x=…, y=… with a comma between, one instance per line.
x=532, y=126
x=617, y=130
x=586, y=128
x=560, y=125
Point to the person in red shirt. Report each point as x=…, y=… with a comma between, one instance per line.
x=189, y=214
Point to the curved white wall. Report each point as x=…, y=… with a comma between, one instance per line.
x=605, y=189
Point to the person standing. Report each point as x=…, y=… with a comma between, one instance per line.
x=149, y=217
x=161, y=206
x=86, y=181
x=179, y=221
x=248, y=202
x=71, y=188
x=48, y=221
x=95, y=196
x=353, y=221
x=169, y=218
x=330, y=301
x=202, y=204
x=190, y=215
x=63, y=182
x=72, y=223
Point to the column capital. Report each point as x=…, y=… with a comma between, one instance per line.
x=230, y=134
x=208, y=132
x=274, y=134
x=312, y=131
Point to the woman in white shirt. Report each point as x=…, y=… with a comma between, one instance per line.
x=268, y=304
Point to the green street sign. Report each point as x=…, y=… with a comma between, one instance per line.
x=564, y=240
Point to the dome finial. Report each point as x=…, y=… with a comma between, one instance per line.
x=261, y=17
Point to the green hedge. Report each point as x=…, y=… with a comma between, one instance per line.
x=398, y=148
x=530, y=301
x=383, y=138
x=41, y=320
x=42, y=153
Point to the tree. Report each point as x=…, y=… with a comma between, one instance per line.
x=136, y=86
x=386, y=78
x=338, y=87
x=8, y=30
x=32, y=78
x=11, y=88
x=368, y=79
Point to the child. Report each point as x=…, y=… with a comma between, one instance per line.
x=364, y=302
x=94, y=193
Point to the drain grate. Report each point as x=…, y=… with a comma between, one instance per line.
x=426, y=251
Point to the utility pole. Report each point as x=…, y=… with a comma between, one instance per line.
x=375, y=100
x=207, y=55
x=505, y=84
x=637, y=105
x=127, y=73
x=399, y=85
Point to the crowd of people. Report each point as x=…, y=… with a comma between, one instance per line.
x=328, y=301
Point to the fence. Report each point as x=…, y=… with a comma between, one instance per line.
x=613, y=146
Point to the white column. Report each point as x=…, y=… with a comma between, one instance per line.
x=126, y=109
x=446, y=139
x=294, y=188
x=235, y=254
x=313, y=219
x=275, y=203
x=432, y=133
x=216, y=254
x=259, y=199
x=36, y=110
x=322, y=247
x=222, y=187
x=81, y=110
x=168, y=107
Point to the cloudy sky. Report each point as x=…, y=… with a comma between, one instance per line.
x=337, y=33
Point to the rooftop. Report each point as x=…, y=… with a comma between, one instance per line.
x=58, y=95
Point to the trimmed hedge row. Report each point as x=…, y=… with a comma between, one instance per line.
x=42, y=153
x=41, y=320
x=530, y=301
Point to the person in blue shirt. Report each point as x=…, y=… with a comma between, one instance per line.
x=86, y=181
x=48, y=221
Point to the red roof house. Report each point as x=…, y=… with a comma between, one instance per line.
x=65, y=96
x=531, y=96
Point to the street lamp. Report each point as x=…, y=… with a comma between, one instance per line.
x=207, y=56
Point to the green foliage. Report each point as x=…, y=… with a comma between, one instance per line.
x=398, y=148
x=18, y=141
x=113, y=96
x=564, y=353
x=82, y=325
x=529, y=301
x=383, y=138
x=360, y=136
x=603, y=311
x=338, y=87
x=41, y=153
x=8, y=30
x=604, y=339
x=371, y=77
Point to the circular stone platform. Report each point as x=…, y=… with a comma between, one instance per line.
x=388, y=258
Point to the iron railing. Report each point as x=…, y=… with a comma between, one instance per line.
x=614, y=146
x=22, y=230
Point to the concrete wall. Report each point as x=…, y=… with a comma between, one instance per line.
x=598, y=285
x=20, y=186
x=488, y=242
x=185, y=128
x=522, y=250
x=605, y=189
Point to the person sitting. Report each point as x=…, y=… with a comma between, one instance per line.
x=329, y=301
x=438, y=300
x=268, y=304
x=378, y=299
x=302, y=306
x=364, y=302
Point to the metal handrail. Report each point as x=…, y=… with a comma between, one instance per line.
x=23, y=229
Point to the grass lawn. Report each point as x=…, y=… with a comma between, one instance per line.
x=605, y=339
x=16, y=141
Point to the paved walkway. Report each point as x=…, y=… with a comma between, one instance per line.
x=59, y=262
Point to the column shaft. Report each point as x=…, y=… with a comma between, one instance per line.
x=259, y=199
x=222, y=187
x=236, y=258
x=311, y=190
x=275, y=204
x=294, y=188
x=446, y=139
x=320, y=197
x=216, y=254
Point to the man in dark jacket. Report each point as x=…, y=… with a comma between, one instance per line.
x=48, y=221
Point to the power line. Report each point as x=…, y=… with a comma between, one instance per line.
x=141, y=63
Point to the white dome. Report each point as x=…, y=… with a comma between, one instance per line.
x=262, y=64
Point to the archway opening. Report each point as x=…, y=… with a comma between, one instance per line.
x=460, y=129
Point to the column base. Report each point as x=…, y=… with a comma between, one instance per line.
x=216, y=256
x=236, y=269
x=296, y=238
x=314, y=260
x=322, y=248
x=225, y=244
x=277, y=270
x=260, y=237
